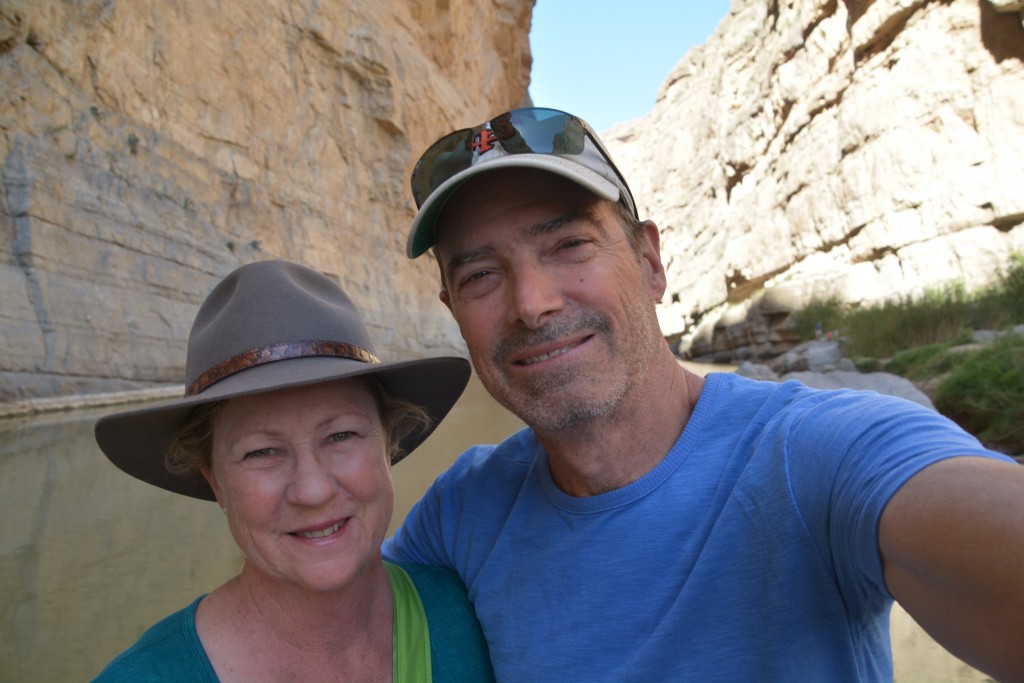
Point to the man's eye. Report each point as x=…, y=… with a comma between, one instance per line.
x=573, y=243
x=474, y=277
x=477, y=283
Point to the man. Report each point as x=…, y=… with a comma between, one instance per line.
x=650, y=524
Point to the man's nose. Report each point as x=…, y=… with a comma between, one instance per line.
x=536, y=294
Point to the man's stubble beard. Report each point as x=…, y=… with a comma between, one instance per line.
x=564, y=401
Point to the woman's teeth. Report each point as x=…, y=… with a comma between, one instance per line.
x=323, y=532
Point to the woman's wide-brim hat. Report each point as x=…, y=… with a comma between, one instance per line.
x=272, y=325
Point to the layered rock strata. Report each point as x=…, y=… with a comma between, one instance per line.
x=149, y=148
x=824, y=149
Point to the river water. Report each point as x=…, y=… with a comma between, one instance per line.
x=91, y=557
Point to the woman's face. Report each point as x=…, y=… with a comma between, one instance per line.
x=305, y=479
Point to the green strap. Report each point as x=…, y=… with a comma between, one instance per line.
x=411, y=648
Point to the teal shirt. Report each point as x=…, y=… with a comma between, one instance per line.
x=171, y=651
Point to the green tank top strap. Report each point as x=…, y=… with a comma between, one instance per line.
x=411, y=647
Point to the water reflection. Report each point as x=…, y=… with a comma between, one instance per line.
x=90, y=557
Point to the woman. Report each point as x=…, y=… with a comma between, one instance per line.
x=291, y=424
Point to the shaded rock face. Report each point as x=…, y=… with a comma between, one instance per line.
x=855, y=150
x=148, y=149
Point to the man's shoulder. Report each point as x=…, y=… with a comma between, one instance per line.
x=516, y=453
x=727, y=394
x=789, y=395
x=832, y=420
x=738, y=406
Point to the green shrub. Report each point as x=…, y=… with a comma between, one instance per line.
x=925, y=361
x=985, y=393
x=1011, y=289
x=867, y=364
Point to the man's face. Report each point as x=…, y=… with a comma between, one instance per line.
x=556, y=307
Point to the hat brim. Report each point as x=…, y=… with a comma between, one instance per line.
x=136, y=441
x=421, y=233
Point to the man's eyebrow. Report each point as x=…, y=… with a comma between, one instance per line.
x=468, y=256
x=554, y=225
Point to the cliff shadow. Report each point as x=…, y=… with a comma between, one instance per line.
x=1002, y=33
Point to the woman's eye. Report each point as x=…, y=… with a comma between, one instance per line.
x=259, y=453
x=341, y=436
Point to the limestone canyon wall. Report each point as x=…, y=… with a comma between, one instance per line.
x=854, y=149
x=149, y=148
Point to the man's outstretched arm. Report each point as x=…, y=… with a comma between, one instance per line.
x=952, y=543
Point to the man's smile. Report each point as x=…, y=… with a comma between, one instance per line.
x=550, y=354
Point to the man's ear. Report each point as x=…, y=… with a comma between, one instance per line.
x=443, y=295
x=650, y=256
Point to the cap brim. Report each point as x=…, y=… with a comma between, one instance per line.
x=421, y=233
x=136, y=441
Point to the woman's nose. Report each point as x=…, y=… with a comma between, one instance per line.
x=312, y=482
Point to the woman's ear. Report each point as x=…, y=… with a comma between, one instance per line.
x=208, y=476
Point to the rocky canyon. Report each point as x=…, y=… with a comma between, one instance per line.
x=854, y=149
x=150, y=148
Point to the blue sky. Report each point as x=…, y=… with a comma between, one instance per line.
x=604, y=60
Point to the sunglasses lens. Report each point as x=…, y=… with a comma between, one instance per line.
x=441, y=161
x=523, y=131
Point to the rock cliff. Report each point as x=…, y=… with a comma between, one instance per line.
x=149, y=148
x=815, y=148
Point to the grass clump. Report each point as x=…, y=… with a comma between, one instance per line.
x=884, y=330
x=985, y=393
x=946, y=315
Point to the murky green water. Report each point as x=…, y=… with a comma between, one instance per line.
x=90, y=557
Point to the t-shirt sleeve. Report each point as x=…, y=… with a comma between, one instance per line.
x=847, y=456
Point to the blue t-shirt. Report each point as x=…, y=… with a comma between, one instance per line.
x=170, y=650
x=749, y=553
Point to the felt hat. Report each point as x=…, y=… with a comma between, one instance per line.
x=271, y=325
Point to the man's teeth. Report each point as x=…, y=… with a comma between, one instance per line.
x=320, y=534
x=552, y=354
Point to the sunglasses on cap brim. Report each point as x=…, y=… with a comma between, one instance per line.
x=533, y=130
